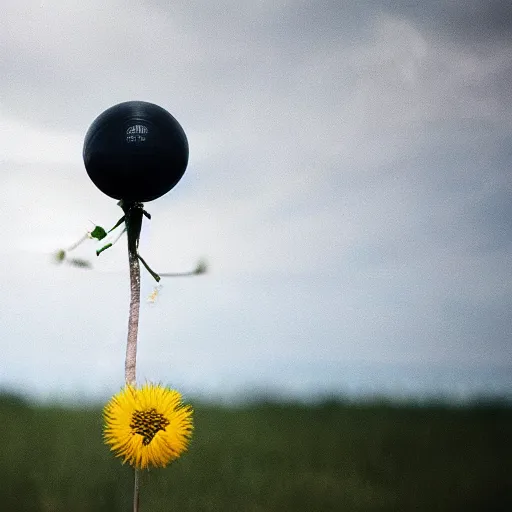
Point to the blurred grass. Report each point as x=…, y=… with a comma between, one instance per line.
x=268, y=457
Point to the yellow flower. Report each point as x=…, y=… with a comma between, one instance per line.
x=147, y=426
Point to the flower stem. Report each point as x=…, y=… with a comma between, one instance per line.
x=136, y=492
x=133, y=320
x=130, y=367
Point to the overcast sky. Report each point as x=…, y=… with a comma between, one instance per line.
x=349, y=184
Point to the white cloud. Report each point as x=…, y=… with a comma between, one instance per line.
x=26, y=144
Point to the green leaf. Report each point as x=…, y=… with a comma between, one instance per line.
x=80, y=263
x=60, y=256
x=202, y=268
x=99, y=233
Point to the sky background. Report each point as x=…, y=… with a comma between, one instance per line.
x=349, y=185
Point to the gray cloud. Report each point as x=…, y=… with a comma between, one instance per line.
x=470, y=22
x=349, y=178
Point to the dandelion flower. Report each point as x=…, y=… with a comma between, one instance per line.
x=147, y=426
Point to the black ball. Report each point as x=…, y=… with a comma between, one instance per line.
x=135, y=151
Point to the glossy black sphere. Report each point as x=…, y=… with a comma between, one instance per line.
x=135, y=151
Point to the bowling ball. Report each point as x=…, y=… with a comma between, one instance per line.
x=135, y=151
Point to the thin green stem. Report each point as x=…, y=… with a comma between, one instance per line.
x=77, y=243
x=154, y=275
x=104, y=248
x=179, y=274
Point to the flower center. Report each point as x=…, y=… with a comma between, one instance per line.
x=147, y=424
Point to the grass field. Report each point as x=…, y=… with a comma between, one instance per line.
x=268, y=457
